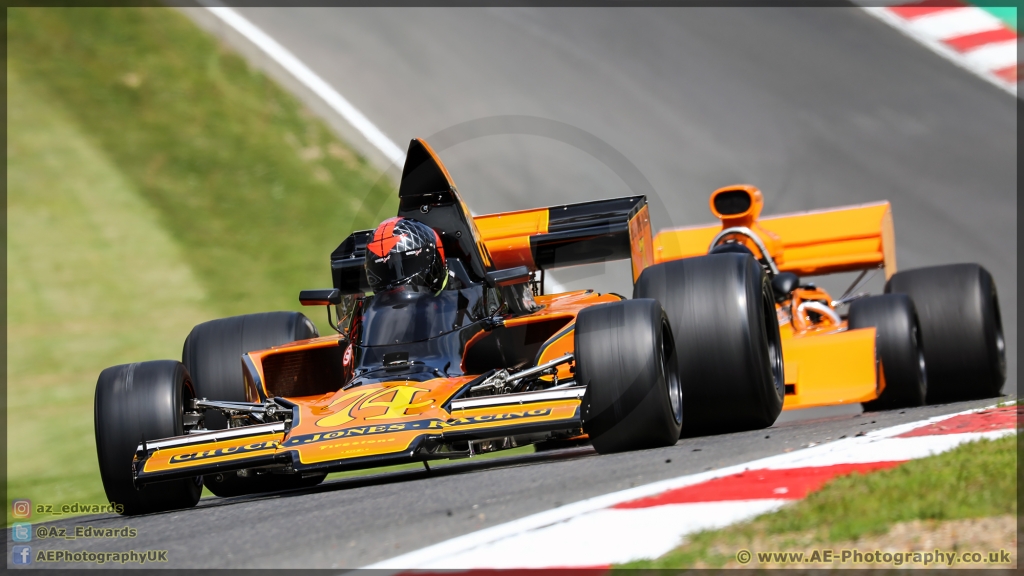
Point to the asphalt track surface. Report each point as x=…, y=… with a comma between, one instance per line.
x=818, y=107
x=352, y=522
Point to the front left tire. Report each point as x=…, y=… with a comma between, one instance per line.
x=626, y=358
x=898, y=348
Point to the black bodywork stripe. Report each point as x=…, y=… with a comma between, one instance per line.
x=586, y=233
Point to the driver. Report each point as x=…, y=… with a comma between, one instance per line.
x=405, y=252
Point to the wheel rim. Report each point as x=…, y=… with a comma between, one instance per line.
x=674, y=386
x=774, y=340
x=922, y=369
x=187, y=395
x=1000, y=343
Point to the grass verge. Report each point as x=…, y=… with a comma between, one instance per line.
x=974, y=480
x=154, y=181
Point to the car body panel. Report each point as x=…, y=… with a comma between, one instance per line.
x=829, y=367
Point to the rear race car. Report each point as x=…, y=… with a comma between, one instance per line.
x=481, y=361
x=935, y=334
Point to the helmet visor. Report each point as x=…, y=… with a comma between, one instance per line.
x=397, y=267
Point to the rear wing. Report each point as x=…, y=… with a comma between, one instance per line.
x=540, y=239
x=843, y=239
x=570, y=235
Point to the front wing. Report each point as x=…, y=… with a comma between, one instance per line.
x=359, y=446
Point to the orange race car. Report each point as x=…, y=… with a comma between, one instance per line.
x=934, y=336
x=446, y=346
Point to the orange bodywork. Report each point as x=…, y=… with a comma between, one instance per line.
x=359, y=427
x=827, y=367
x=507, y=236
x=825, y=362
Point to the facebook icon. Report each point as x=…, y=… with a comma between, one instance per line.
x=21, y=555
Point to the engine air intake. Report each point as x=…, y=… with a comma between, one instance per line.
x=732, y=202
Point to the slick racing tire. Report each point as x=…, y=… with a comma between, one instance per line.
x=145, y=400
x=213, y=354
x=961, y=329
x=625, y=357
x=898, y=345
x=726, y=330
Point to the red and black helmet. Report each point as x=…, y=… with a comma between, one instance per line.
x=404, y=251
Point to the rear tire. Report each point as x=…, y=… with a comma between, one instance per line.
x=726, y=330
x=961, y=329
x=898, y=345
x=213, y=354
x=625, y=357
x=145, y=400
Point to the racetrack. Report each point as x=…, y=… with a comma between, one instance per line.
x=354, y=522
x=818, y=107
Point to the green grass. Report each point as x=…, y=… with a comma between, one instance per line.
x=974, y=480
x=154, y=181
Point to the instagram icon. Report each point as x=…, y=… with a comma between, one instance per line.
x=21, y=508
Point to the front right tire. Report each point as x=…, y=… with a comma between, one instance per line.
x=213, y=354
x=961, y=329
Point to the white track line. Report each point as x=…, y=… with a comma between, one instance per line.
x=953, y=23
x=863, y=448
x=311, y=80
x=599, y=535
x=994, y=56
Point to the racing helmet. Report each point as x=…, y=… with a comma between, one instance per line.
x=404, y=251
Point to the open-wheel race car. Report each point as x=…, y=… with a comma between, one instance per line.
x=934, y=336
x=446, y=347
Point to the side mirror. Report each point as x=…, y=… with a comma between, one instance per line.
x=324, y=297
x=783, y=284
x=508, y=277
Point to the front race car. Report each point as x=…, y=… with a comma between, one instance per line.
x=433, y=361
x=382, y=423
